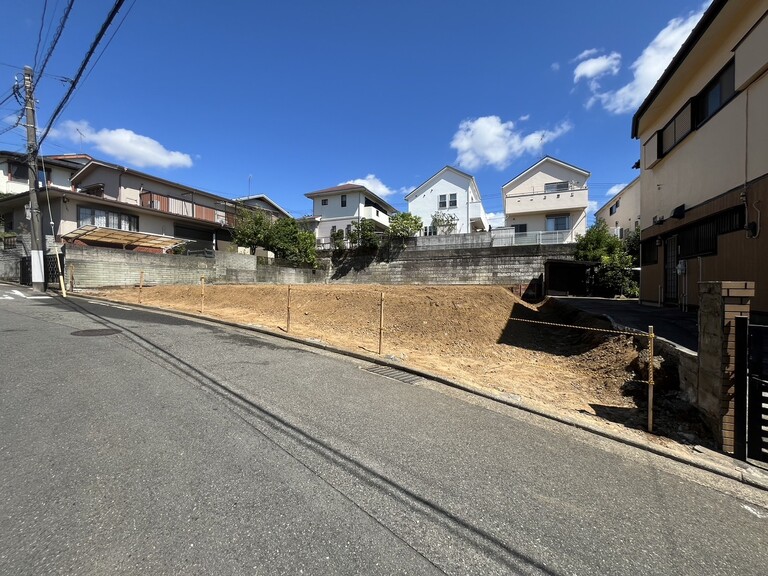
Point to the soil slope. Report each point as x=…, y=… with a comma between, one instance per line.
x=470, y=334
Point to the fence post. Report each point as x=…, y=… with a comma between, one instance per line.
x=381, y=322
x=288, y=317
x=71, y=276
x=141, y=284
x=202, y=294
x=741, y=384
x=650, y=378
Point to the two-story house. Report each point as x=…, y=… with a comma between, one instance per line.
x=451, y=192
x=549, y=199
x=622, y=212
x=336, y=209
x=703, y=131
x=104, y=204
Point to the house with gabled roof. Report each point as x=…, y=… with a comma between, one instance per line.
x=549, y=199
x=337, y=208
x=450, y=192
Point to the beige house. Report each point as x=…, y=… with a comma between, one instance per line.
x=549, y=199
x=622, y=212
x=703, y=130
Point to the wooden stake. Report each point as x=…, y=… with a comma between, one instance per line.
x=202, y=294
x=141, y=284
x=650, y=378
x=71, y=277
x=381, y=322
x=288, y=319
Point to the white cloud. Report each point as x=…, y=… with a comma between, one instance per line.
x=487, y=141
x=378, y=187
x=597, y=67
x=124, y=145
x=524, y=117
x=586, y=54
x=592, y=206
x=495, y=219
x=555, y=66
x=615, y=189
x=648, y=67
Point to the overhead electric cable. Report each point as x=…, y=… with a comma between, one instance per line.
x=117, y=28
x=83, y=65
x=57, y=35
x=40, y=31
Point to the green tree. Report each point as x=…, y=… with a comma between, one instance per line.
x=403, y=225
x=613, y=274
x=363, y=234
x=632, y=246
x=251, y=228
x=337, y=240
x=444, y=222
x=291, y=243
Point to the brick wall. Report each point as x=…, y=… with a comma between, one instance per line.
x=719, y=304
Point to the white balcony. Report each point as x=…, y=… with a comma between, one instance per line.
x=373, y=213
x=538, y=202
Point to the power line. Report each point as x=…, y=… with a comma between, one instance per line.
x=83, y=65
x=55, y=41
x=40, y=31
x=117, y=28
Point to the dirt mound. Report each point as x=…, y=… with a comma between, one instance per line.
x=482, y=335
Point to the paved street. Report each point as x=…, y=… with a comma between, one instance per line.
x=134, y=442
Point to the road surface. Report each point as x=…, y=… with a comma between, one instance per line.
x=134, y=442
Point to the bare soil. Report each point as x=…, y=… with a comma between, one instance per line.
x=480, y=335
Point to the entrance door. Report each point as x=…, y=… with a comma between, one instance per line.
x=670, y=270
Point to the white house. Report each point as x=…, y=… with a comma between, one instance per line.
x=622, y=212
x=453, y=192
x=551, y=197
x=337, y=208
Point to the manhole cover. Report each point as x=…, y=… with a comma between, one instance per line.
x=96, y=332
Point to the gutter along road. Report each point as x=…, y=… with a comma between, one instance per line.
x=133, y=441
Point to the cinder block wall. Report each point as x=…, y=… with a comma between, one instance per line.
x=89, y=267
x=507, y=266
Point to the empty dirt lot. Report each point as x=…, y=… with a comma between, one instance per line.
x=463, y=333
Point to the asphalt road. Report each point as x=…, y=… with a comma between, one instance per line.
x=134, y=442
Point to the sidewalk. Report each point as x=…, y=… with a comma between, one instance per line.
x=669, y=323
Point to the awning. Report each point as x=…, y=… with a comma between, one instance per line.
x=122, y=238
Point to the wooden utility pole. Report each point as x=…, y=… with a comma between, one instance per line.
x=38, y=269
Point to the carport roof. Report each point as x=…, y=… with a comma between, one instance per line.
x=122, y=237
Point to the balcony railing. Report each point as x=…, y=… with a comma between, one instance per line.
x=181, y=207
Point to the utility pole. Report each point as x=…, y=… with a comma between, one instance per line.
x=38, y=274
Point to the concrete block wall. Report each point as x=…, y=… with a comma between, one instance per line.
x=719, y=304
x=89, y=267
x=507, y=266
x=10, y=269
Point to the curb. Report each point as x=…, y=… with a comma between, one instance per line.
x=733, y=469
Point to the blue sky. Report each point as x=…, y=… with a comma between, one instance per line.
x=284, y=98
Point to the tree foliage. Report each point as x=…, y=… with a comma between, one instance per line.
x=445, y=222
x=404, y=225
x=363, y=234
x=613, y=274
x=255, y=229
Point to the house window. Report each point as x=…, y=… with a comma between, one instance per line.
x=649, y=252
x=18, y=172
x=555, y=186
x=430, y=231
x=43, y=176
x=106, y=219
x=614, y=208
x=677, y=129
x=348, y=230
x=324, y=202
x=558, y=222
x=441, y=201
x=333, y=230
x=716, y=94
x=452, y=201
x=519, y=228
x=343, y=200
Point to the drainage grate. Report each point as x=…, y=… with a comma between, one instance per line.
x=395, y=374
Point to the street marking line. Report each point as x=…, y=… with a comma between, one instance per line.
x=108, y=305
x=762, y=514
x=21, y=295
